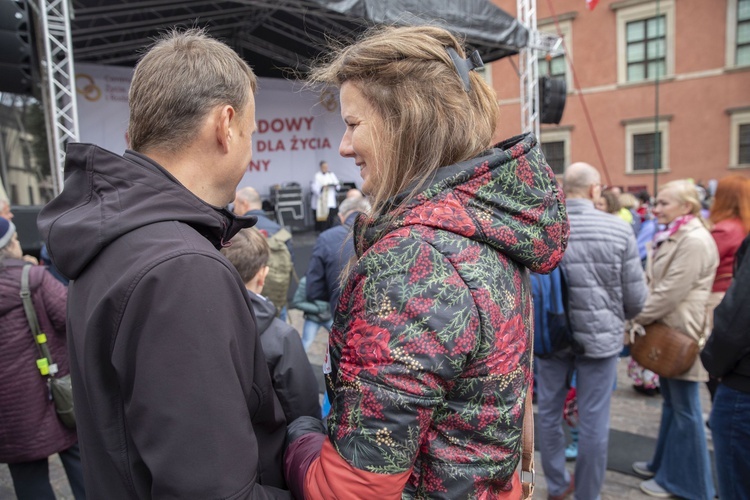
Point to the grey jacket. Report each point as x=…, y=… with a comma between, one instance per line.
x=606, y=282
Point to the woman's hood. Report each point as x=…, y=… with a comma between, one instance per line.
x=507, y=198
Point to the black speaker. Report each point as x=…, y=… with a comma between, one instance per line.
x=16, y=56
x=552, y=94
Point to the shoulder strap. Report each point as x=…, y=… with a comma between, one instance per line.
x=528, y=476
x=44, y=363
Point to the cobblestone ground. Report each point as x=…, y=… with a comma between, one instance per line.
x=631, y=412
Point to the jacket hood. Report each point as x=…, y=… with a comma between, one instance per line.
x=265, y=311
x=106, y=195
x=507, y=198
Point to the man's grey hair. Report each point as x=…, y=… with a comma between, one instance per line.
x=177, y=82
x=578, y=178
x=360, y=204
x=250, y=196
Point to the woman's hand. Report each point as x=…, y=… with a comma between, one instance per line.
x=31, y=259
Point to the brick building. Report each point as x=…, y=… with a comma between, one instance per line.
x=666, y=84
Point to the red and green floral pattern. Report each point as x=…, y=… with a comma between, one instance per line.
x=430, y=345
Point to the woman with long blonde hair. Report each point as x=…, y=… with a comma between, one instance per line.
x=430, y=352
x=680, y=271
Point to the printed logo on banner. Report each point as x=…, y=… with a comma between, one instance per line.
x=86, y=86
x=328, y=101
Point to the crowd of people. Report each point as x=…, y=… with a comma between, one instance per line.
x=189, y=381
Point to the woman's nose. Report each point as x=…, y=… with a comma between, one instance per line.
x=345, y=148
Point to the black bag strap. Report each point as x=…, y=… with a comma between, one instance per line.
x=44, y=362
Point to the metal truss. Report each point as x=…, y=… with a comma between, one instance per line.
x=58, y=81
x=529, y=69
x=114, y=33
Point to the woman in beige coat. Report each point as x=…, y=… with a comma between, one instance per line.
x=681, y=271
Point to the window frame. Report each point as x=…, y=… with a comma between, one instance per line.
x=566, y=27
x=557, y=135
x=642, y=12
x=737, y=118
x=646, y=127
x=731, y=41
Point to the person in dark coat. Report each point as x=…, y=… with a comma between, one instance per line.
x=172, y=391
x=727, y=358
x=30, y=430
x=293, y=378
x=332, y=252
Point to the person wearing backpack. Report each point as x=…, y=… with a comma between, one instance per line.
x=605, y=286
x=280, y=262
x=292, y=376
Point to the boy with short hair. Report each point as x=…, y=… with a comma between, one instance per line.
x=292, y=376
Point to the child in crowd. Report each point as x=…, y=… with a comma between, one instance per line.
x=292, y=376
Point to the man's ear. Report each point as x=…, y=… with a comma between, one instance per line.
x=224, y=123
x=592, y=192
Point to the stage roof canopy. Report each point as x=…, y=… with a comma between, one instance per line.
x=275, y=35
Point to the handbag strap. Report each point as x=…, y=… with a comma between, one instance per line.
x=528, y=475
x=44, y=362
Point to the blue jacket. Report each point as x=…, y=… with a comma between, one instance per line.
x=646, y=234
x=332, y=251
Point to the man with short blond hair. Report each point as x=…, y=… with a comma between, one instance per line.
x=173, y=397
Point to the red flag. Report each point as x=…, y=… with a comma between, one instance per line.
x=590, y=4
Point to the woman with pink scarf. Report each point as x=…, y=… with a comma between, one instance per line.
x=681, y=270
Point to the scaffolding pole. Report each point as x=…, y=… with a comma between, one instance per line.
x=58, y=81
x=529, y=70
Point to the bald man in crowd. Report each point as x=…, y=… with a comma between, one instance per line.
x=606, y=286
x=247, y=202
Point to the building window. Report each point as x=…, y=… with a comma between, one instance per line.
x=646, y=49
x=645, y=151
x=647, y=146
x=486, y=73
x=557, y=66
x=555, y=144
x=554, y=152
x=645, y=41
x=744, y=146
x=739, y=139
x=553, y=67
x=742, y=57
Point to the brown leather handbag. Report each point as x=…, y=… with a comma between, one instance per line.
x=663, y=350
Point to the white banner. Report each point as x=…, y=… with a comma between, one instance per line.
x=297, y=129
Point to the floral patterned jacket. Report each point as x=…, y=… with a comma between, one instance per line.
x=430, y=344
